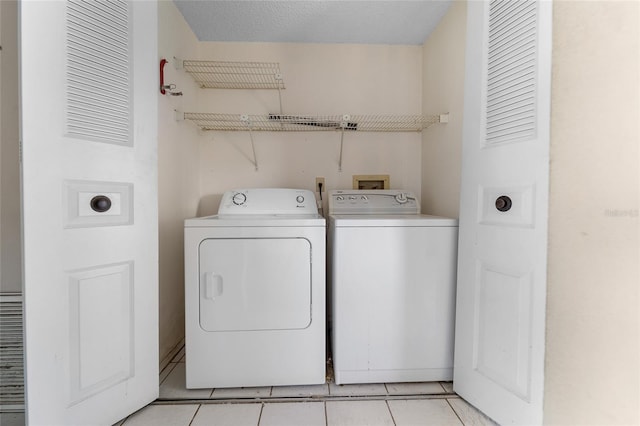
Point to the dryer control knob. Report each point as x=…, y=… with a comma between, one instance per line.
x=402, y=198
x=239, y=199
x=300, y=199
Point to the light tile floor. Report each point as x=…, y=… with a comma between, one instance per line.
x=393, y=404
x=450, y=411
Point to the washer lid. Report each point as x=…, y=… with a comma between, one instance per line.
x=381, y=221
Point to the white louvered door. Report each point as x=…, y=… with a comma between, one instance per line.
x=500, y=319
x=89, y=187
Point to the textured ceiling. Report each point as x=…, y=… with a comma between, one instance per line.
x=317, y=21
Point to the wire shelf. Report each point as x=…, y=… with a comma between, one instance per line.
x=312, y=123
x=235, y=75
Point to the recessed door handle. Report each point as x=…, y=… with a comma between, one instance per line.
x=213, y=286
x=503, y=203
x=100, y=203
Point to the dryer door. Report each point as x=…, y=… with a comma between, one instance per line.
x=255, y=284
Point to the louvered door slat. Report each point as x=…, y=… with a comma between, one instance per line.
x=11, y=353
x=501, y=8
x=517, y=18
x=508, y=93
x=511, y=73
x=91, y=12
x=88, y=91
x=110, y=114
x=91, y=36
x=516, y=78
x=114, y=20
x=115, y=9
x=516, y=107
x=110, y=81
x=523, y=39
x=98, y=71
x=90, y=57
x=515, y=72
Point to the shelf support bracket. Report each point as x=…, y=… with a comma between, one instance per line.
x=343, y=124
x=247, y=122
x=278, y=78
x=341, y=142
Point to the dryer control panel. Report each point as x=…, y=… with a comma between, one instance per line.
x=373, y=201
x=268, y=201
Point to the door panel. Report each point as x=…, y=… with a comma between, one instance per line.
x=101, y=328
x=502, y=338
x=500, y=310
x=90, y=269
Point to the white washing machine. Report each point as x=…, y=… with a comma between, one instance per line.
x=255, y=291
x=392, y=283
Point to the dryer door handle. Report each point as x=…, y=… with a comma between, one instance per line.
x=213, y=286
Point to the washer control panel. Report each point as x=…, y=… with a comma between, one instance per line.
x=269, y=201
x=373, y=201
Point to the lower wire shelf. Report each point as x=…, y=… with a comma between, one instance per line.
x=311, y=123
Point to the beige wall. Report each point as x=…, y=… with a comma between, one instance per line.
x=320, y=79
x=178, y=178
x=592, y=359
x=10, y=240
x=443, y=91
x=197, y=167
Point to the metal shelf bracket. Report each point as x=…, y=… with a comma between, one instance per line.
x=247, y=121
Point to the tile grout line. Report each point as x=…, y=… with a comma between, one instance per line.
x=326, y=417
x=455, y=412
x=195, y=414
x=393, y=419
x=260, y=415
x=303, y=398
x=172, y=354
x=172, y=366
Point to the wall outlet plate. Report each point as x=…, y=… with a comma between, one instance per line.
x=320, y=180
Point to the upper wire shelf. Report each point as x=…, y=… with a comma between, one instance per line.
x=235, y=75
x=313, y=123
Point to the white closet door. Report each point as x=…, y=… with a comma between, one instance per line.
x=500, y=324
x=89, y=186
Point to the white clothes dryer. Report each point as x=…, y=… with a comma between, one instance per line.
x=392, y=284
x=255, y=291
